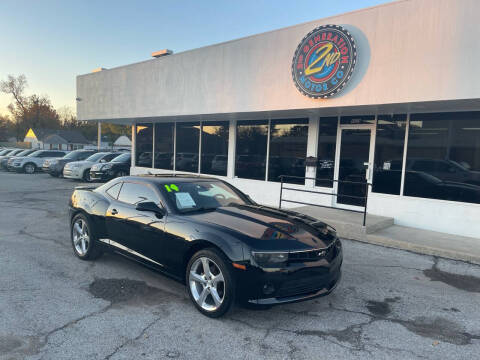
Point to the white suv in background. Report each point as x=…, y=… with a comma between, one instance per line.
x=80, y=170
x=30, y=163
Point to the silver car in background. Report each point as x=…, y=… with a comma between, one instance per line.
x=80, y=170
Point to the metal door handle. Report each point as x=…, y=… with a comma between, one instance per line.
x=114, y=212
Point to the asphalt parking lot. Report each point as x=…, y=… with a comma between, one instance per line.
x=390, y=304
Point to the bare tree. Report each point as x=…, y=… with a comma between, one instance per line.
x=15, y=86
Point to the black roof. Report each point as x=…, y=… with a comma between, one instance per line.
x=71, y=136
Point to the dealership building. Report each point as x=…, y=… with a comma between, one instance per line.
x=388, y=95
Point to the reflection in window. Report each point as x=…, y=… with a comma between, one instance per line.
x=144, y=145
x=443, y=158
x=132, y=193
x=164, y=133
x=188, y=137
x=251, y=149
x=327, y=143
x=389, y=146
x=288, y=149
x=214, y=148
x=358, y=119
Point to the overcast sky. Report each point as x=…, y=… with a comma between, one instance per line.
x=52, y=41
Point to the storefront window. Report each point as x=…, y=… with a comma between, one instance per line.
x=288, y=149
x=164, y=134
x=443, y=158
x=389, y=146
x=144, y=145
x=327, y=143
x=251, y=149
x=188, y=137
x=214, y=148
x=357, y=119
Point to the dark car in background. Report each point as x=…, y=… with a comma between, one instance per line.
x=55, y=166
x=209, y=235
x=119, y=166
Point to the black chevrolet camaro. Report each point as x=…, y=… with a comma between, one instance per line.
x=209, y=235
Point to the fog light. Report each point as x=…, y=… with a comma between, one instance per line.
x=268, y=289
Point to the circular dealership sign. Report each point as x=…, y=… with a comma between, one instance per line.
x=324, y=61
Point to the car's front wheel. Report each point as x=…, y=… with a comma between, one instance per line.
x=83, y=239
x=121, y=173
x=29, y=168
x=210, y=282
x=86, y=176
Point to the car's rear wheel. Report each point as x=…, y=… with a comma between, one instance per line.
x=29, y=168
x=83, y=239
x=210, y=282
x=86, y=175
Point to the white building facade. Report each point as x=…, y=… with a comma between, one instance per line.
x=407, y=120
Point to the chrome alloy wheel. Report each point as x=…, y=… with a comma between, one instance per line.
x=207, y=284
x=81, y=237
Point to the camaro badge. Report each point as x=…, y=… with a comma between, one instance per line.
x=324, y=61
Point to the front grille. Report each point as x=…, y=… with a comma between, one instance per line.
x=328, y=253
x=305, y=285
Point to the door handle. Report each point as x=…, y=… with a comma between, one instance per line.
x=114, y=211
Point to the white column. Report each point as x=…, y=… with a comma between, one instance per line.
x=99, y=135
x=232, y=138
x=312, y=145
x=134, y=142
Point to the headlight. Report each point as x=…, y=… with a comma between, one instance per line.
x=74, y=166
x=106, y=166
x=270, y=258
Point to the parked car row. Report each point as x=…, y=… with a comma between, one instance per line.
x=86, y=165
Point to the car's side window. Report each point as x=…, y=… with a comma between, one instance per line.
x=133, y=193
x=114, y=190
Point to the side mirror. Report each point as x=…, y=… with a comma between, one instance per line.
x=150, y=206
x=103, y=161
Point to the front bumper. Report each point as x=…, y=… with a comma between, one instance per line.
x=73, y=173
x=295, y=282
x=54, y=170
x=101, y=175
x=17, y=167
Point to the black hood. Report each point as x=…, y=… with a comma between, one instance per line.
x=277, y=230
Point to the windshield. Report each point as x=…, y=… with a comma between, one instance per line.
x=96, y=157
x=71, y=155
x=200, y=195
x=6, y=152
x=122, y=158
x=24, y=152
x=35, y=153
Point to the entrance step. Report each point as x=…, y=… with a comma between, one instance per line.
x=380, y=230
x=349, y=224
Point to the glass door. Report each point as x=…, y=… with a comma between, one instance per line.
x=355, y=159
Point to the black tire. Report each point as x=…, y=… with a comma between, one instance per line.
x=86, y=176
x=226, y=268
x=27, y=168
x=93, y=250
x=121, y=173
